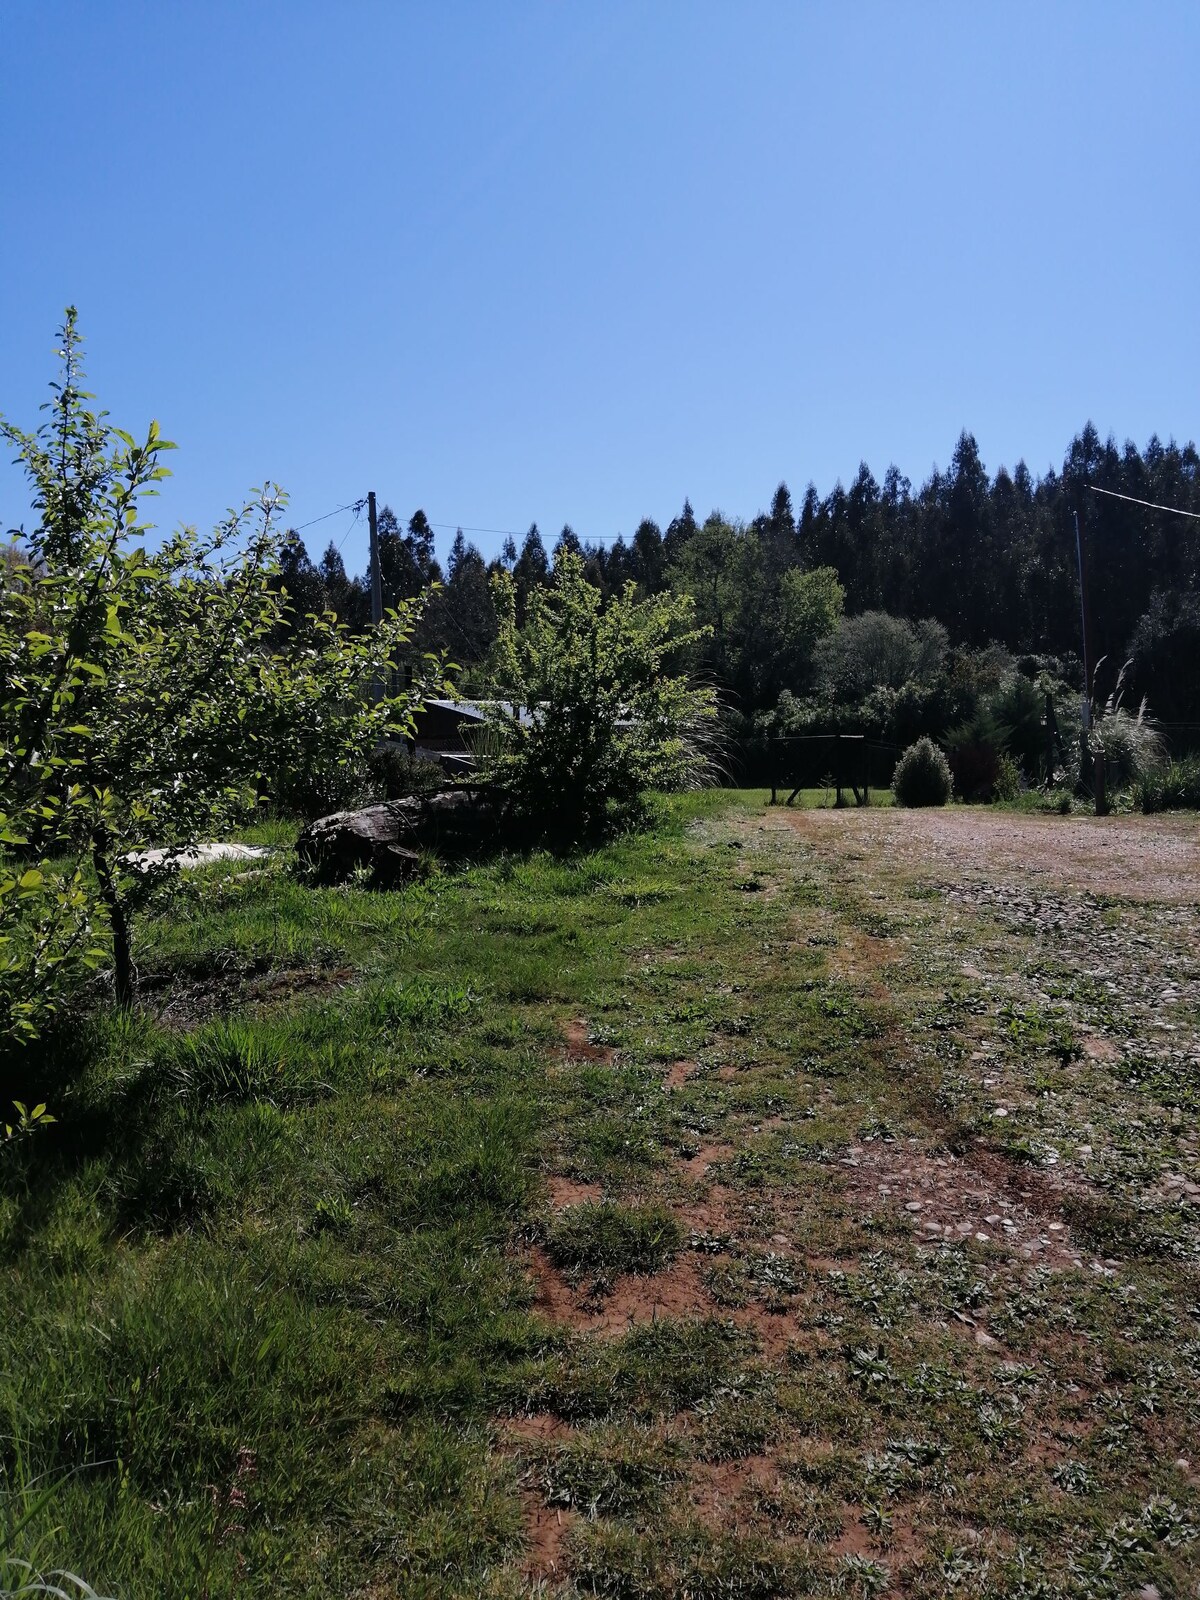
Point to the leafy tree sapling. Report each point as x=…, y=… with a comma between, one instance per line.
x=143, y=696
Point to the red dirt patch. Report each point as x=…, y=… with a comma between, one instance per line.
x=1100, y=1050
x=715, y=1215
x=903, y=1549
x=535, y=1427
x=696, y=1167
x=565, y=1192
x=679, y=1291
x=580, y=1047
x=955, y=1199
x=546, y=1531
x=678, y=1075
x=714, y=1488
x=860, y=958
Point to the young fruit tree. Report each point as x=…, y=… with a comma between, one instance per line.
x=594, y=716
x=141, y=698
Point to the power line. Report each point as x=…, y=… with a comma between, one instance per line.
x=1175, y=511
x=352, y=505
x=503, y=533
x=507, y=533
x=354, y=520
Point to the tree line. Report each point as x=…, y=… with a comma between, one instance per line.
x=991, y=559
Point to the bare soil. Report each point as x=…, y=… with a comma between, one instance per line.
x=946, y=1197
x=580, y=1046
x=1146, y=858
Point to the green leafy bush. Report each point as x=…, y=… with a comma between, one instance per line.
x=593, y=715
x=922, y=776
x=975, y=750
x=1008, y=779
x=396, y=774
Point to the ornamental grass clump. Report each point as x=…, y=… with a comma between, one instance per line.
x=922, y=776
x=1174, y=787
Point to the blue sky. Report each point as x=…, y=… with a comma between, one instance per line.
x=572, y=262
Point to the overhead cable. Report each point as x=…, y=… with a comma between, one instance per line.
x=352, y=505
x=1175, y=511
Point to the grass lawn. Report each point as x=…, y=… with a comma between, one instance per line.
x=777, y=1203
x=826, y=798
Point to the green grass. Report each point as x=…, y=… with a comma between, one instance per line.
x=608, y=1239
x=825, y=798
x=270, y=1324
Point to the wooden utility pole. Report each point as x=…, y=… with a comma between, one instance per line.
x=376, y=585
x=376, y=575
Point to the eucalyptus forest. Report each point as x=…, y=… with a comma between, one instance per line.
x=991, y=559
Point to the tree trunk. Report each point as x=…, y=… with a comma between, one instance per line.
x=118, y=922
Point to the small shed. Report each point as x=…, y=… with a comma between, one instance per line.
x=443, y=730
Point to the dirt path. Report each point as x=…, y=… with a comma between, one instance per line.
x=1137, y=858
x=932, y=1152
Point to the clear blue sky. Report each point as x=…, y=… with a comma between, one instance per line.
x=572, y=262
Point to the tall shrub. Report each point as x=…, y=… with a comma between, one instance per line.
x=594, y=714
x=922, y=776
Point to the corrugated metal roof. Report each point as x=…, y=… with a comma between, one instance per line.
x=477, y=710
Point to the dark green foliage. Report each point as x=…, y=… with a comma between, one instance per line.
x=922, y=776
x=939, y=584
x=406, y=560
x=395, y=773
x=990, y=559
x=1165, y=647
x=975, y=749
x=1019, y=711
x=460, y=617
x=607, y=1239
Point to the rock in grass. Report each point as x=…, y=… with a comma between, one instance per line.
x=199, y=855
x=387, y=839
